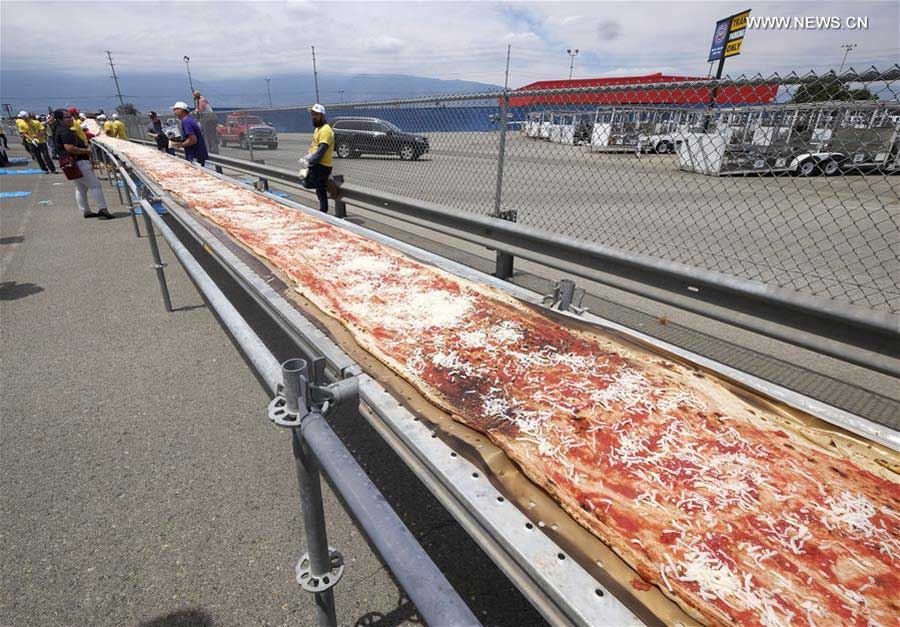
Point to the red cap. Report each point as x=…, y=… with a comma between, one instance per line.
x=74, y=110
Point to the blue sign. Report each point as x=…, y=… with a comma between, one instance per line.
x=720, y=38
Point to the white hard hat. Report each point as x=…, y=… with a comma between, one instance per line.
x=23, y=114
x=180, y=105
x=317, y=108
x=102, y=116
x=115, y=116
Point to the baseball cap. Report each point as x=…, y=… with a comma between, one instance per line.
x=73, y=110
x=102, y=116
x=180, y=105
x=23, y=114
x=317, y=108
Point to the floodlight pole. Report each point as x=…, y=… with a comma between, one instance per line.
x=847, y=48
x=187, y=62
x=268, y=91
x=315, y=73
x=572, y=54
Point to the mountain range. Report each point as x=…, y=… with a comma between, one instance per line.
x=37, y=91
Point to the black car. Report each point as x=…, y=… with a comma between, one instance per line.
x=356, y=136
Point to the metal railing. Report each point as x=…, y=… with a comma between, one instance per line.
x=785, y=180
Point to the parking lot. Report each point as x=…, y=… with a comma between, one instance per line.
x=827, y=236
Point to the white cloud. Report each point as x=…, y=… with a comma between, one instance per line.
x=464, y=40
x=383, y=43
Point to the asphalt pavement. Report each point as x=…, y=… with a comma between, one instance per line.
x=140, y=481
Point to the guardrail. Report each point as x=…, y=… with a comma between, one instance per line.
x=299, y=389
x=848, y=332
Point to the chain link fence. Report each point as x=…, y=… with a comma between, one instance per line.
x=788, y=180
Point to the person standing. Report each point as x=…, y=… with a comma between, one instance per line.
x=25, y=132
x=155, y=130
x=201, y=104
x=193, y=142
x=73, y=146
x=39, y=140
x=50, y=124
x=320, y=157
x=3, y=137
x=77, y=118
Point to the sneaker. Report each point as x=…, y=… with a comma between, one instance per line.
x=90, y=214
x=105, y=215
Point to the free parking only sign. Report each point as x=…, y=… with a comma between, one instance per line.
x=729, y=36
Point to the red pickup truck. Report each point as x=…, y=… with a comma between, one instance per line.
x=244, y=129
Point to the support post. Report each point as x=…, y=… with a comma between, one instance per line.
x=566, y=294
x=104, y=158
x=116, y=182
x=131, y=211
x=504, y=262
x=158, y=265
x=714, y=95
x=296, y=377
x=340, y=208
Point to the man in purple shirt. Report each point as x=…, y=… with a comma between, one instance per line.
x=194, y=145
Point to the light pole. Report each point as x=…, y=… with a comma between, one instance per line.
x=572, y=54
x=315, y=73
x=187, y=62
x=268, y=92
x=847, y=48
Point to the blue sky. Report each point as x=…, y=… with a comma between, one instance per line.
x=459, y=40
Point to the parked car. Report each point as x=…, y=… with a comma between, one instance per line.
x=357, y=136
x=244, y=129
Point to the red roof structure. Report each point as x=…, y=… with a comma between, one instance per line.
x=731, y=95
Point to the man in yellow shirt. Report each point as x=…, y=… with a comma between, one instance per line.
x=321, y=151
x=106, y=125
x=25, y=132
x=34, y=138
x=39, y=140
x=118, y=128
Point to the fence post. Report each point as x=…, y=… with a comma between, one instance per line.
x=504, y=261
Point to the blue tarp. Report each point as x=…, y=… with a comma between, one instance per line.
x=13, y=194
x=20, y=171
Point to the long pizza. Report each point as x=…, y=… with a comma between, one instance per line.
x=736, y=517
